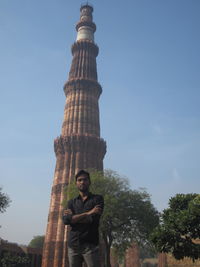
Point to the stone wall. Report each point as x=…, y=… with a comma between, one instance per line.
x=34, y=254
x=167, y=260
x=132, y=258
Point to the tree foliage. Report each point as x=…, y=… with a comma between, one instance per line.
x=128, y=214
x=180, y=227
x=4, y=201
x=37, y=242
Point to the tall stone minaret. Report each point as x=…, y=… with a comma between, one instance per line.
x=80, y=145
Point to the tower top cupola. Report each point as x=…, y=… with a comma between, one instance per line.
x=86, y=27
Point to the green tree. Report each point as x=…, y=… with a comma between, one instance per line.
x=128, y=214
x=180, y=227
x=37, y=242
x=4, y=201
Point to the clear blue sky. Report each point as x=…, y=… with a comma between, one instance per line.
x=148, y=66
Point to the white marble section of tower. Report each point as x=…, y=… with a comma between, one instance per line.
x=87, y=28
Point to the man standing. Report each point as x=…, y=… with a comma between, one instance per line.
x=83, y=215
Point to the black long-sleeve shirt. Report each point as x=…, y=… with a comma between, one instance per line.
x=82, y=233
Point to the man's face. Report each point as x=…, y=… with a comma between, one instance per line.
x=83, y=183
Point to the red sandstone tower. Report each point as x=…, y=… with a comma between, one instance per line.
x=80, y=145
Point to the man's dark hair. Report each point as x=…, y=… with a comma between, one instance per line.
x=82, y=172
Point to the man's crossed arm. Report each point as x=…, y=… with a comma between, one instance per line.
x=85, y=217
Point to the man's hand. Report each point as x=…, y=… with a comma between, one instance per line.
x=96, y=210
x=67, y=212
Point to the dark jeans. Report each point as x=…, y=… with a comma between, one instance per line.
x=87, y=252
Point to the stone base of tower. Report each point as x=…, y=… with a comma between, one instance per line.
x=55, y=254
x=73, y=153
